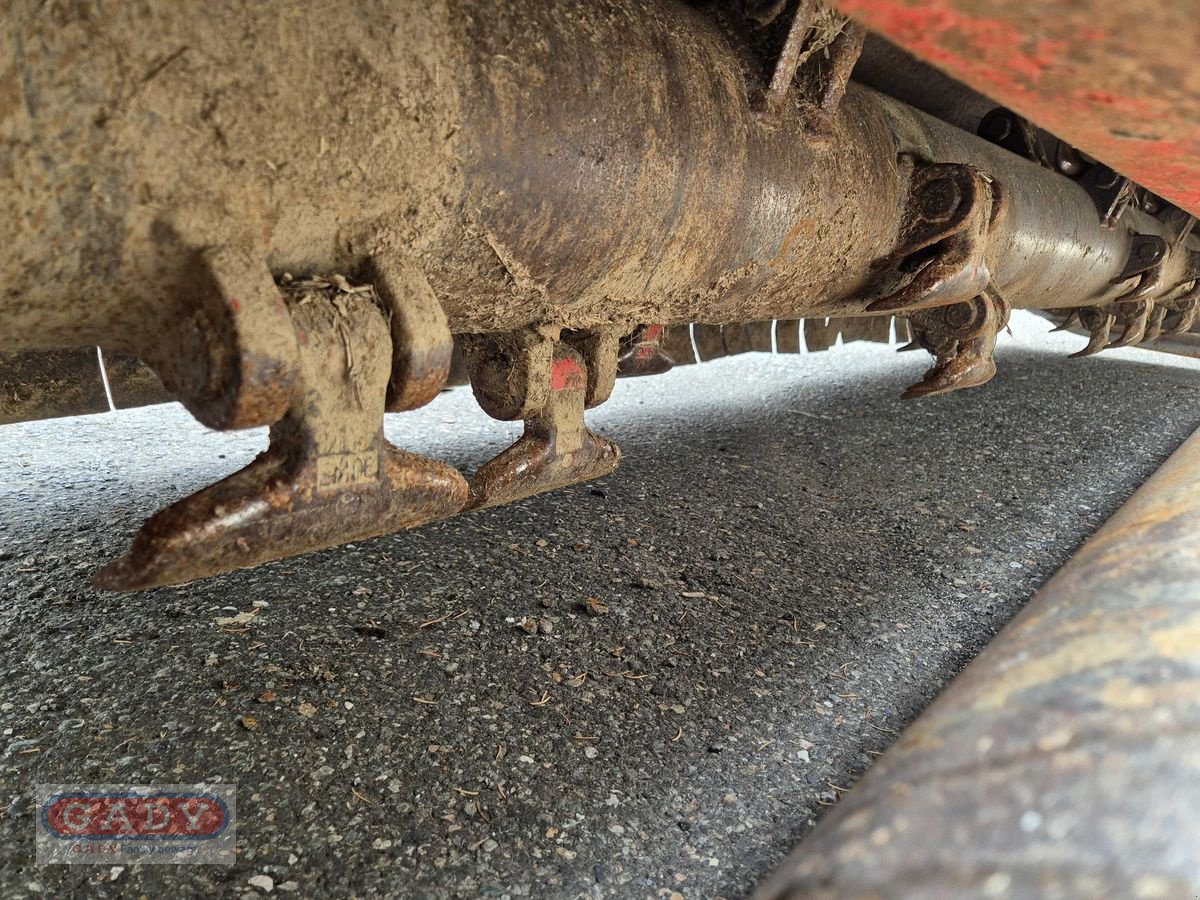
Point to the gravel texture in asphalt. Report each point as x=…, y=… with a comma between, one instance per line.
x=787, y=567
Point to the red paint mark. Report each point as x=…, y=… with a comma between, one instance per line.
x=653, y=333
x=567, y=375
x=235, y=304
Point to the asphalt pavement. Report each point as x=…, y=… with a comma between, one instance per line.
x=788, y=565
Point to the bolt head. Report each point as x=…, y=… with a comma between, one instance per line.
x=940, y=199
x=998, y=128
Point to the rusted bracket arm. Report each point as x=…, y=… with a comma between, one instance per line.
x=828, y=85
x=421, y=343
x=641, y=353
x=844, y=52
x=940, y=257
x=962, y=337
x=225, y=348
x=768, y=102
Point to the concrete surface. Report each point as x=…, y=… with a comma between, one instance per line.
x=793, y=561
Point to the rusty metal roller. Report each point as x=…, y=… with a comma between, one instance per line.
x=1065, y=760
x=577, y=164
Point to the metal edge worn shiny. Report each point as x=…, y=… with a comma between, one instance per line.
x=1065, y=760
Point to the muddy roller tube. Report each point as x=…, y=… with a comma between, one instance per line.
x=574, y=164
x=1065, y=760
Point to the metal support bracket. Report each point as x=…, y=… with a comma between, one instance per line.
x=548, y=381
x=940, y=258
x=843, y=54
x=226, y=350
x=825, y=87
x=641, y=353
x=421, y=344
x=328, y=476
x=768, y=102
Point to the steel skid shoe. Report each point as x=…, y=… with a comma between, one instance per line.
x=328, y=476
x=832, y=80
x=962, y=337
x=546, y=379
